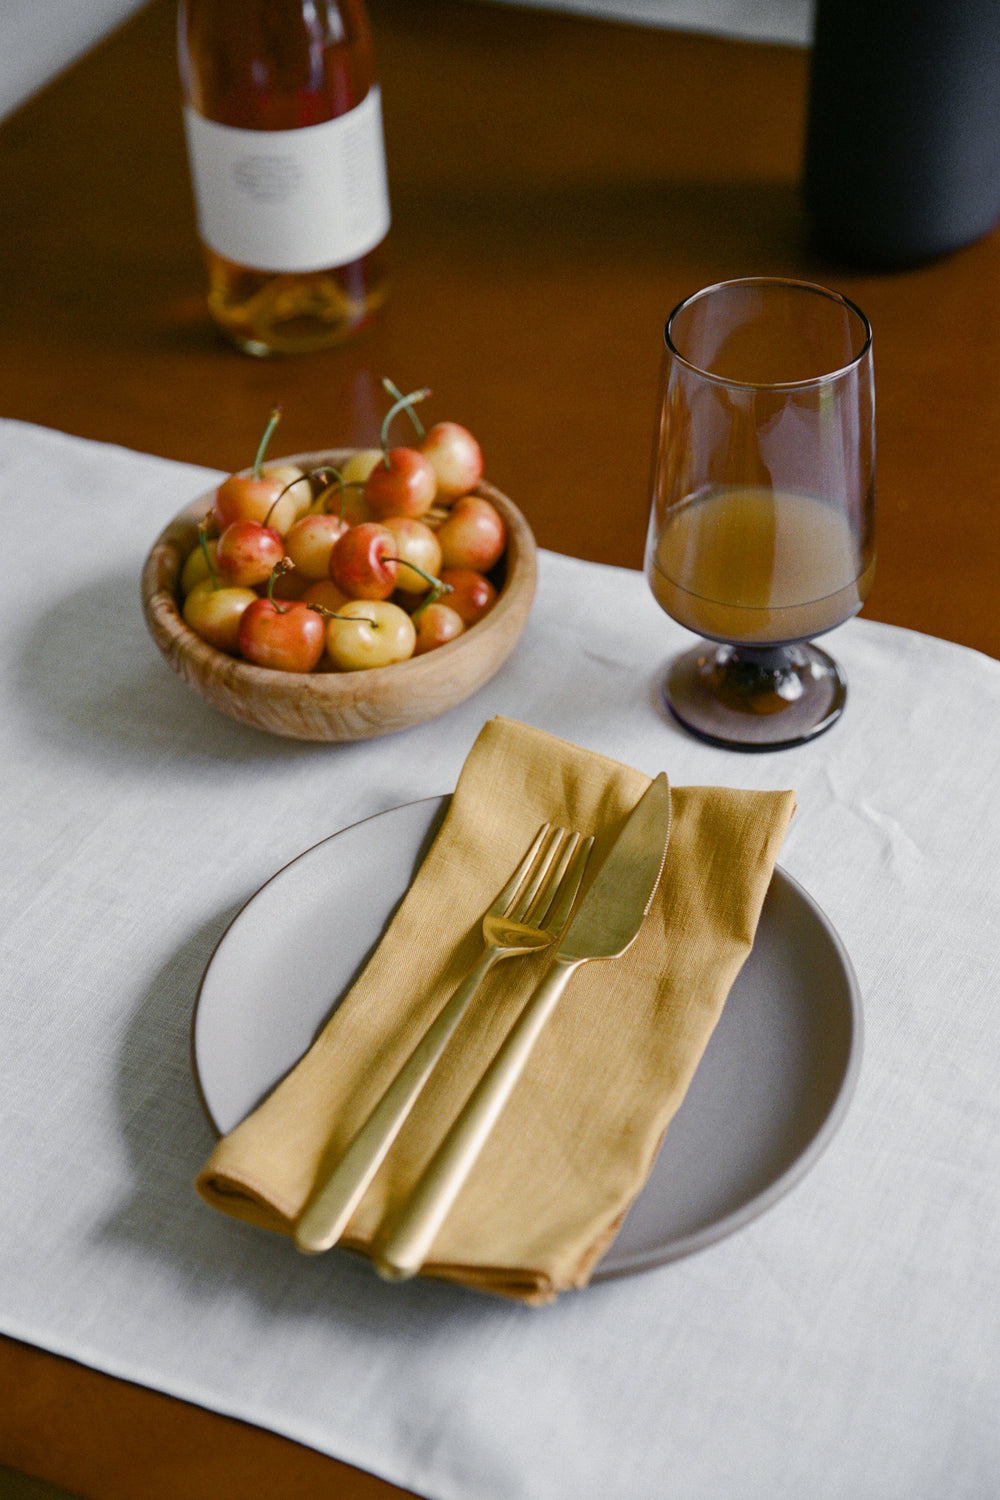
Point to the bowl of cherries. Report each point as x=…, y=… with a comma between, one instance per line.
x=344, y=594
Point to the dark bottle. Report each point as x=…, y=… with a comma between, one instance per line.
x=902, y=159
x=283, y=118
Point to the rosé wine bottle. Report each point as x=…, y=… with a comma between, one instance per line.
x=282, y=112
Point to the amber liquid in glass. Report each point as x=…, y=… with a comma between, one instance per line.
x=260, y=66
x=758, y=567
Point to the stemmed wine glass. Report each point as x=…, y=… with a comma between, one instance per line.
x=762, y=530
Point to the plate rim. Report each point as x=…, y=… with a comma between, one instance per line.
x=611, y=1267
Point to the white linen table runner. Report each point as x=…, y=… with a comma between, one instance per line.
x=847, y=1343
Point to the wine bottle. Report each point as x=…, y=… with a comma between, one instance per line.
x=282, y=112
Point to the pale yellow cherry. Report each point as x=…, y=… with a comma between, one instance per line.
x=198, y=567
x=360, y=464
x=416, y=544
x=214, y=614
x=369, y=633
x=309, y=543
x=296, y=500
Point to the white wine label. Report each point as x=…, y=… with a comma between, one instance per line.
x=291, y=200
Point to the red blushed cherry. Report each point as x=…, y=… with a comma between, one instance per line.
x=287, y=637
x=472, y=535
x=247, y=552
x=363, y=561
x=404, y=484
x=470, y=594
x=258, y=496
x=455, y=457
x=240, y=498
x=436, y=624
x=288, y=585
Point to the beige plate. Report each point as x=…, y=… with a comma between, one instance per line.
x=770, y=1092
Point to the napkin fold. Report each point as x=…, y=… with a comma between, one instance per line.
x=579, y=1135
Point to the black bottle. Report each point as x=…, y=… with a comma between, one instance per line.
x=902, y=159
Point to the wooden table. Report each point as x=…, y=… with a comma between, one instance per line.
x=558, y=185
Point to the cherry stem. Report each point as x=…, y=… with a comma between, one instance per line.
x=272, y=423
x=331, y=614
x=280, y=496
x=283, y=565
x=436, y=592
x=436, y=585
x=401, y=403
x=203, y=544
x=344, y=484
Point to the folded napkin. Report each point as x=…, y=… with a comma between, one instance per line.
x=579, y=1135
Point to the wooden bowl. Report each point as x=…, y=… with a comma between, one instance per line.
x=338, y=706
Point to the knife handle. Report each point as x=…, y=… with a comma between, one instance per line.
x=410, y=1238
x=328, y=1212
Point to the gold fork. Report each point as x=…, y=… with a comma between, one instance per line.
x=529, y=913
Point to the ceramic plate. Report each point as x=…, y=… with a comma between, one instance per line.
x=771, y=1089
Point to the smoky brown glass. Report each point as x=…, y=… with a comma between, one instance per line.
x=762, y=523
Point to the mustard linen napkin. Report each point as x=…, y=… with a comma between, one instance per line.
x=579, y=1135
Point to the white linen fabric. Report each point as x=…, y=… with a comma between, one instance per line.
x=41, y=41
x=847, y=1343
x=789, y=22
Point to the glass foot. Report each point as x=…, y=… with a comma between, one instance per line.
x=755, y=698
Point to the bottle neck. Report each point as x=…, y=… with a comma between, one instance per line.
x=262, y=65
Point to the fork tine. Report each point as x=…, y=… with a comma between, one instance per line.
x=570, y=875
x=543, y=891
x=536, y=877
x=548, y=876
x=506, y=896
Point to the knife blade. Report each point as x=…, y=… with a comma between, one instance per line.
x=605, y=925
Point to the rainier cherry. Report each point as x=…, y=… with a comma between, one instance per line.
x=369, y=633
x=436, y=624
x=418, y=551
x=363, y=561
x=359, y=465
x=214, y=613
x=470, y=594
x=325, y=593
x=455, y=457
x=247, y=551
x=286, y=636
x=343, y=493
x=200, y=565
x=262, y=496
x=310, y=540
x=403, y=484
x=472, y=535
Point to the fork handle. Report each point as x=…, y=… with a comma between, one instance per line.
x=407, y=1245
x=328, y=1212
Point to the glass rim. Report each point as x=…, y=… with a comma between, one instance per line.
x=769, y=385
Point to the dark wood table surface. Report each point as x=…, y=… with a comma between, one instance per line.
x=558, y=184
